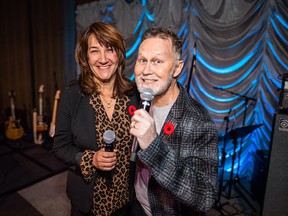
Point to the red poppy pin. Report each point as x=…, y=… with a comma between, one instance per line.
x=131, y=110
x=169, y=128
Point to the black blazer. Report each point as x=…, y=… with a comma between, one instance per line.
x=74, y=133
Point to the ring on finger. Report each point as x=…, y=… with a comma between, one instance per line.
x=133, y=125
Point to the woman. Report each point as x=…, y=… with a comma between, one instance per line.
x=101, y=101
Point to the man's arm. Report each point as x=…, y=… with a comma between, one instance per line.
x=187, y=168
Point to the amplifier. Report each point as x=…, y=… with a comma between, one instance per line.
x=276, y=191
x=283, y=99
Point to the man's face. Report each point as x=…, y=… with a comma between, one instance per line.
x=155, y=65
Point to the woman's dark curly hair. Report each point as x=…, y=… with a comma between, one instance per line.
x=108, y=36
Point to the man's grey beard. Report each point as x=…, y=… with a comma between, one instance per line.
x=164, y=88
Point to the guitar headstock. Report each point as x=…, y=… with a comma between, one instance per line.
x=41, y=88
x=12, y=94
x=57, y=95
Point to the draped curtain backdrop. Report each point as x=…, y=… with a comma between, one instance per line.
x=241, y=49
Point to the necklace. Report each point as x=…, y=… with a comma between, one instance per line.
x=108, y=103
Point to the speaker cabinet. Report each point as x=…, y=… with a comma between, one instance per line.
x=259, y=176
x=276, y=193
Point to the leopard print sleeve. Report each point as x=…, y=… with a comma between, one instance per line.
x=87, y=168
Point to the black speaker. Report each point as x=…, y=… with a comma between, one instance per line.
x=259, y=177
x=283, y=99
x=276, y=192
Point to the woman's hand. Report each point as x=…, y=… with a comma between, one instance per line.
x=104, y=160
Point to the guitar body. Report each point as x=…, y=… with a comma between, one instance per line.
x=14, y=130
x=41, y=127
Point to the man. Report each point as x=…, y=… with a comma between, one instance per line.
x=177, y=173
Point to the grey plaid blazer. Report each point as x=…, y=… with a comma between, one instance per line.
x=183, y=164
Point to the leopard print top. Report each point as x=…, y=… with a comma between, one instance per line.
x=107, y=199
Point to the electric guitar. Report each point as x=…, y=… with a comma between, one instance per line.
x=52, y=124
x=39, y=126
x=13, y=130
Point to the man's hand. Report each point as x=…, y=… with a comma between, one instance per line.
x=143, y=128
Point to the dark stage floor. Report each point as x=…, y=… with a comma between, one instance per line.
x=33, y=181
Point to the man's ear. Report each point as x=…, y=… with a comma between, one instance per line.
x=178, y=68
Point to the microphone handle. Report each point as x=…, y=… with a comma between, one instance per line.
x=135, y=146
x=109, y=147
x=109, y=174
x=134, y=151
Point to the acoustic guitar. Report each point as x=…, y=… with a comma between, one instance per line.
x=53, y=120
x=13, y=130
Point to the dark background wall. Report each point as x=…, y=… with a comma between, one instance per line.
x=37, y=47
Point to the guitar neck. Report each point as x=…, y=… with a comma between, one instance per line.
x=40, y=104
x=54, y=112
x=53, y=120
x=12, y=104
x=40, y=111
x=56, y=99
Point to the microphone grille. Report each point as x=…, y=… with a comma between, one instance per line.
x=109, y=136
x=147, y=94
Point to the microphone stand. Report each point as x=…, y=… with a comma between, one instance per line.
x=240, y=149
x=237, y=179
x=193, y=65
x=219, y=206
x=241, y=96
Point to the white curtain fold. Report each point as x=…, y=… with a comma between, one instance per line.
x=242, y=48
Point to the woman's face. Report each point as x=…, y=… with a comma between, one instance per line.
x=103, y=61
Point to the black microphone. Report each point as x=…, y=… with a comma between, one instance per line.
x=108, y=139
x=230, y=111
x=146, y=97
x=226, y=118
